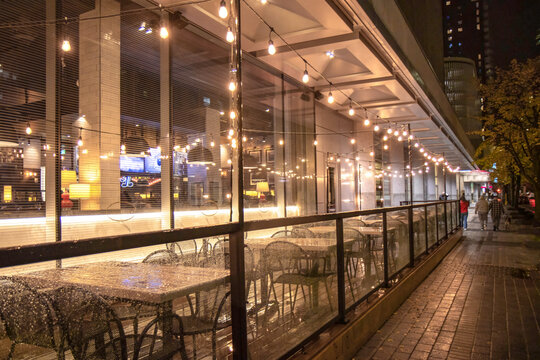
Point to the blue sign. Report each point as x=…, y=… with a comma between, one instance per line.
x=125, y=182
x=131, y=164
x=152, y=163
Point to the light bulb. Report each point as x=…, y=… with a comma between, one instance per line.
x=212, y=144
x=80, y=142
x=371, y=153
x=271, y=47
x=66, y=46
x=163, y=32
x=123, y=147
x=396, y=133
x=351, y=111
x=411, y=136
x=330, y=98
x=400, y=138
x=305, y=77
x=366, y=122
x=264, y=2
x=232, y=85
x=28, y=129
x=389, y=131
x=405, y=133
x=385, y=138
x=376, y=128
x=223, y=10
x=441, y=159
x=315, y=142
x=232, y=115
x=353, y=141
x=280, y=142
x=231, y=132
x=244, y=139
x=385, y=147
x=230, y=35
x=416, y=145
x=421, y=150
x=425, y=154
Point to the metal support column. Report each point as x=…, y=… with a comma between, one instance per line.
x=340, y=253
x=236, y=242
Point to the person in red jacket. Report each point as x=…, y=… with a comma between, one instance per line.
x=464, y=210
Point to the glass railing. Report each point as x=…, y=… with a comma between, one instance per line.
x=175, y=291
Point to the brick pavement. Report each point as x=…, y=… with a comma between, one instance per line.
x=481, y=302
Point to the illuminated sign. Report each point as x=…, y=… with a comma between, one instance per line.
x=7, y=193
x=126, y=182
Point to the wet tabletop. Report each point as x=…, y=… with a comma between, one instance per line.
x=134, y=281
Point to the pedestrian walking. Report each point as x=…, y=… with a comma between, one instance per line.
x=482, y=209
x=464, y=210
x=497, y=209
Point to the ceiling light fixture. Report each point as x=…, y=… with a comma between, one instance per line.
x=223, y=9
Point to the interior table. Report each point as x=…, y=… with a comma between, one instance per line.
x=147, y=283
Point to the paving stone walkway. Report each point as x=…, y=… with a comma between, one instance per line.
x=481, y=302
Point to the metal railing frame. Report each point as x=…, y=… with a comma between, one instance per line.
x=27, y=254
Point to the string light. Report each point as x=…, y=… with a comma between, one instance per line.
x=405, y=133
x=353, y=140
x=232, y=85
x=28, y=129
x=223, y=9
x=163, y=32
x=305, y=77
x=212, y=143
x=385, y=146
x=351, y=110
x=315, y=142
x=281, y=142
x=416, y=145
x=371, y=153
x=389, y=131
x=376, y=128
x=231, y=132
x=366, y=122
x=232, y=115
x=271, y=47
x=66, y=46
x=422, y=150
x=400, y=138
x=385, y=138
x=230, y=36
x=330, y=96
x=264, y=2
x=396, y=133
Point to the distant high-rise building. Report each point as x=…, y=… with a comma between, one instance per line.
x=466, y=33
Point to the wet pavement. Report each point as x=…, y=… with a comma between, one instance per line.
x=481, y=302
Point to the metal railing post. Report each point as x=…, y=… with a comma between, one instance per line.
x=445, y=221
x=385, y=248
x=426, y=227
x=437, y=222
x=340, y=253
x=411, y=235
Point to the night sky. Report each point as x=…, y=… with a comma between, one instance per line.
x=513, y=28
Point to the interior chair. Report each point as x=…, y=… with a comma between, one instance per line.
x=210, y=312
x=91, y=328
x=162, y=257
x=283, y=234
x=354, y=223
x=152, y=342
x=289, y=265
x=302, y=232
x=187, y=251
x=356, y=253
x=27, y=317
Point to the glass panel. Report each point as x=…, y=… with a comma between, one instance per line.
x=432, y=226
x=292, y=285
x=419, y=231
x=26, y=138
x=139, y=294
x=440, y=221
x=398, y=241
x=364, y=259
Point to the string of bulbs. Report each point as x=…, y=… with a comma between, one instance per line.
x=400, y=134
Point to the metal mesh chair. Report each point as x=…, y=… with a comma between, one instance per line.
x=162, y=257
x=288, y=264
x=154, y=343
x=27, y=317
x=89, y=324
x=356, y=253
